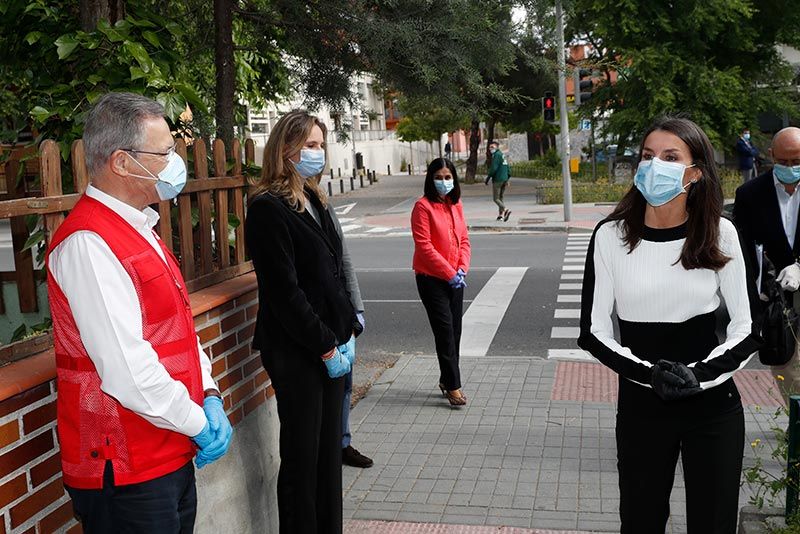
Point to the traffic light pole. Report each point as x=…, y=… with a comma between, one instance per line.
x=562, y=111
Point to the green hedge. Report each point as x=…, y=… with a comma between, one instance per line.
x=537, y=170
x=602, y=191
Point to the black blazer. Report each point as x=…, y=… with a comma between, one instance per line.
x=304, y=306
x=758, y=217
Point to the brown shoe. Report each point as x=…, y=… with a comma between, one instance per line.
x=352, y=457
x=456, y=397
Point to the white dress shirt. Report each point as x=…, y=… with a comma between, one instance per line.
x=106, y=310
x=789, y=205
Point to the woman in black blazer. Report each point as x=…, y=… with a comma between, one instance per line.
x=305, y=321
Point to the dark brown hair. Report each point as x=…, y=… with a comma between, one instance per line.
x=703, y=202
x=430, y=189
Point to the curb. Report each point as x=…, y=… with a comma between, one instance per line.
x=554, y=229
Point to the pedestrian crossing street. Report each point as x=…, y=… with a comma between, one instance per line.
x=564, y=334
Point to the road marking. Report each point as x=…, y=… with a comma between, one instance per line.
x=403, y=207
x=583, y=249
x=574, y=260
x=570, y=287
x=571, y=276
x=574, y=355
x=572, y=268
x=348, y=227
x=343, y=220
x=565, y=332
x=580, y=253
x=566, y=314
x=568, y=298
x=344, y=209
x=378, y=230
x=398, y=301
x=483, y=317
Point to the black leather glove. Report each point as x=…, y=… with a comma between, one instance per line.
x=486, y=182
x=672, y=380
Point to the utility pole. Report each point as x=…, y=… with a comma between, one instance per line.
x=562, y=109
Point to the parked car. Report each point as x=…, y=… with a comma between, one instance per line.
x=629, y=156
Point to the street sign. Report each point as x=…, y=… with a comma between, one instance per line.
x=570, y=99
x=585, y=124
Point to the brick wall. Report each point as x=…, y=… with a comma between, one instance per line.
x=32, y=496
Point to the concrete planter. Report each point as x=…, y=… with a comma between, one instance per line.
x=754, y=520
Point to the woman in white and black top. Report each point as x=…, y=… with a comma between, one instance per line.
x=660, y=259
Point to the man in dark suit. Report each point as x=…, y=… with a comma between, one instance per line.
x=766, y=213
x=747, y=154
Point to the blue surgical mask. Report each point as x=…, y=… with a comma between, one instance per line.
x=660, y=181
x=312, y=162
x=443, y=186
x=746, y=137
x=170, y=181
x=786, y=174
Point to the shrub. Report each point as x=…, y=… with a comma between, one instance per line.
x=599, y=191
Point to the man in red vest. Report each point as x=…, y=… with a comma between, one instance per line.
x=136, y=400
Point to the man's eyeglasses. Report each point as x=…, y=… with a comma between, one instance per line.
x=169, y=152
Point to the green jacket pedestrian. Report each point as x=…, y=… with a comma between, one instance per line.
x=499, y=175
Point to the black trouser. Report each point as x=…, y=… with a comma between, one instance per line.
x=164, y=505
x=711, y=449
x=310, y=412
x=444, y=306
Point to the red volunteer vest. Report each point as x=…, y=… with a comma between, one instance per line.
x=92, y=426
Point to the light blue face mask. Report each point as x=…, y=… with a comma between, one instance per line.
x=170, y=181
x=311, y=163
x=660, y=181
x=786, y=174
x=443, y=186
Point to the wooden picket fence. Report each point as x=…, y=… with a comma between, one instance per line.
x=206, y=259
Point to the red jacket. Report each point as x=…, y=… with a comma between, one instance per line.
x=92, y=426
x=441, y=242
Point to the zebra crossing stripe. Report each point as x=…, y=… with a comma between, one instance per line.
x=483, y=317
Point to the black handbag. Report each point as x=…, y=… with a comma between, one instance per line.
x=779, y=321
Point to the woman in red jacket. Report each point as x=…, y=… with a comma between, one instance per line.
x=441, y=262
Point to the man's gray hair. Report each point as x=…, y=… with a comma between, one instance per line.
x=114, y=123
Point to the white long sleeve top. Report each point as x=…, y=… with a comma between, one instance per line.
x=664, y=310
x=107, y=313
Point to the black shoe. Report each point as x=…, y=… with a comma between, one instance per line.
x=352, y=457
x=499, y=217
x=506, y=215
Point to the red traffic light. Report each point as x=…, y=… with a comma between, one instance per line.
x=549, y=103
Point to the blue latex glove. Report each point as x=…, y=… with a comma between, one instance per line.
x=456, y=281
x=348, y=350
x=221, y=427
x=204, y=438
x=337, y=365
x=462, y=273
x=360, y=317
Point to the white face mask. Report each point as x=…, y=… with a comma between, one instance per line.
x=171, y=179
x=660, y=181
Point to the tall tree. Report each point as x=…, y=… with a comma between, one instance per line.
x=225, y=74
x=93, y=11
x=717, y=61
